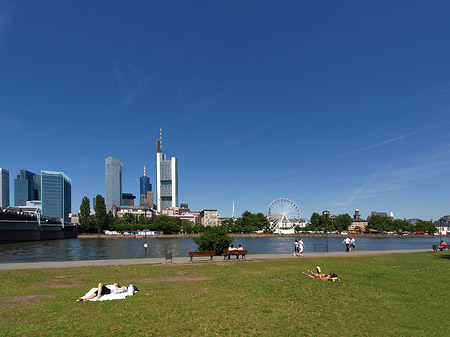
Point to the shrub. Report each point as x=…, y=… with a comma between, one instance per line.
x=214, y=238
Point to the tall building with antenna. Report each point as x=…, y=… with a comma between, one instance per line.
x=145, y=191
x=166, y=178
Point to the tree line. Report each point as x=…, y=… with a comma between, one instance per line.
x=247, y=223
x=101, y=221
x=378, y=223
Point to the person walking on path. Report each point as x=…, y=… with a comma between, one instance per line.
x=347, y=244
x=301, y=246
x=352, y=244
x=296, y=251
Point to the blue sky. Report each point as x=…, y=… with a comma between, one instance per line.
x=335, y=105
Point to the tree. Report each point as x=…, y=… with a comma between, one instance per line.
x=381, y=223
x=214, y=238
x=167, y=224
x=425, y=226
x=101, y=219
x=84, y=216
x=342, y=222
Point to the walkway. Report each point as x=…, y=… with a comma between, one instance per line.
x=184, y=259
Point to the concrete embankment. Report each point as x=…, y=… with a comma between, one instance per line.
x=300, y=235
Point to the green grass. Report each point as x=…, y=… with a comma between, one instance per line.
x=389, y=295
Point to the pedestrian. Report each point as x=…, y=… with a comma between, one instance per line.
x=352, y=244
x=347, y=244
x=301, y=246
x=296, y=251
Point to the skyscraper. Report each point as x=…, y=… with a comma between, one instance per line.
x=27, y=187
x=113, y=183
x=144, y=188
x=56, y=194
x=4, y=188
x=166, y=179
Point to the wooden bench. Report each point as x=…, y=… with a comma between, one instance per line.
x=209, y=253
x=436, y=248
x=237, y=252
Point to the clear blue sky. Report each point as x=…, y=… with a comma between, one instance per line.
x=337, y=105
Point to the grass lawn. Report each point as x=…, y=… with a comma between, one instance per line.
x=387, y=295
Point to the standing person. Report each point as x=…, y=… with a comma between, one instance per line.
x=301, y=246
x=352, y=244
x=296, y=251
x=347, y=244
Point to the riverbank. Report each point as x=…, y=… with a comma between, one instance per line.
x=302, y=235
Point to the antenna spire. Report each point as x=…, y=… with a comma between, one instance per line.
x=144, y=170
x=160, y=137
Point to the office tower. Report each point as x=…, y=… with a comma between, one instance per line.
x=113, y=183
x=27, y=187
x=56, y=195
x=144, y=188
x=4, y=188
x=128, y=199
x=166, y=179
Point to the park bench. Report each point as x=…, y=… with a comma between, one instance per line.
x=436, y=248
x=237, y=252
x=209, y=253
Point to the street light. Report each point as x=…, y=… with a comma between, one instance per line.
x=326, y=213
x=145, y=232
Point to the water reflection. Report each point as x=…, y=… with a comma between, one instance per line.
x=127, y=248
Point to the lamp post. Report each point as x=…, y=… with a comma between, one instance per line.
x=145, y=231
x=326, y=213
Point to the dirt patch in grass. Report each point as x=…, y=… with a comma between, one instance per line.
x=169, y=279
x=251, y=272
x=59, y=282
x=23, y=300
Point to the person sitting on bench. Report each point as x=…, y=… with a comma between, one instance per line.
x=443, y=245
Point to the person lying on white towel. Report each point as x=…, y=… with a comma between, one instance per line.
x=114, y=288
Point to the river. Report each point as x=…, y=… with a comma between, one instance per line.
x=126, y=248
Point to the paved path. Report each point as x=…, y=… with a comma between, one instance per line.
x=184, y=259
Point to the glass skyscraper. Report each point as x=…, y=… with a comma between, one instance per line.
x=113, y=183
x=144, y=186
x=56, y=195
x=4, y=188
x=26, y=187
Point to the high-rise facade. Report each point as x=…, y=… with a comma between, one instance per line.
x=56, y=195
x=27, y=187
x=166, y=179
x=144, y=188
x=113, y=183
x=4, y=188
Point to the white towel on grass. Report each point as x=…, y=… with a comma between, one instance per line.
x=108, y=297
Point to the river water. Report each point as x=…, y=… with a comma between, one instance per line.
x=125, y=248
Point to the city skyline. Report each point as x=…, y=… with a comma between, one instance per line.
x=337, y=106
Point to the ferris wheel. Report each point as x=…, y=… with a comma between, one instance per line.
x=283, y=215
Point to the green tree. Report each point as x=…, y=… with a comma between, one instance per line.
x=101, y=219
x=381, y=223
x=402, y=226
x=214, y=238
x=84, y=216
x=187, y=227
x=425, y=226
x=342, y=222
x=167, y=224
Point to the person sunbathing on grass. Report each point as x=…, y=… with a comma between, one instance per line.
x=114, y=288
x=323, y=277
